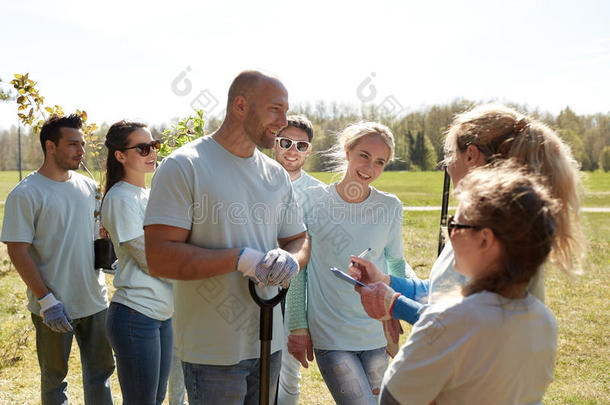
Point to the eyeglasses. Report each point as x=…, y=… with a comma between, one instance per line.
x=144, y=148
x=286, y=143
x=452, y=225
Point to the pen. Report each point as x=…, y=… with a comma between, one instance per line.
x=361, y=255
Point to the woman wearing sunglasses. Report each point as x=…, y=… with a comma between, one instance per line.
x=496, y=344
x=138, y=323
x=484, y=135
x=344, y=218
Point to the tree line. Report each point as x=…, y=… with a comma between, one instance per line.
x=419, y=134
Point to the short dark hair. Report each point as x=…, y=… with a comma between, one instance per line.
x=51, y=128
x=300, y=122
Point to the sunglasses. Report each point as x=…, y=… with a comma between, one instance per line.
x=144, y=148
x=452, y=225
x=286, y=143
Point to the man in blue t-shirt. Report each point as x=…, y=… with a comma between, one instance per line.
x=221, y=213
x=292, y=147
x=49, y=231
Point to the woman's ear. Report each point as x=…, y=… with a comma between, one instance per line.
x=120, y=156
x=487, y=239
x=474, y=157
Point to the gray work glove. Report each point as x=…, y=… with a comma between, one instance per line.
x=276, y=267
x=54, y=314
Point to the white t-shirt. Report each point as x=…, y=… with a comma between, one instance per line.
x=485, y=349
x=336, y=318
x=445, y=280
x=122, y=216
x=303, y=183
x=226, y=202
x=57, y=218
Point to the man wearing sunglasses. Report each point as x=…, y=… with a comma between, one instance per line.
x=292, y=147
x=49, y=231
x=220, y=213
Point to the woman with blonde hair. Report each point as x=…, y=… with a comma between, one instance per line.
x=498, y=343
x=484, y=135
x=345, y=218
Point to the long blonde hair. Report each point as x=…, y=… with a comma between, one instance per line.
x=517, y=206
x=500, y=132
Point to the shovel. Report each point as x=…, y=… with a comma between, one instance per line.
x=266, y=334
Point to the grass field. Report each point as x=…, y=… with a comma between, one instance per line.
x=580, y=304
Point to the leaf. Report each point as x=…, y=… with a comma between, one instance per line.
x=17, y=76
x=49, y=110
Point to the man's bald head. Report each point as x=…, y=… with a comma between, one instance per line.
x=246, y=84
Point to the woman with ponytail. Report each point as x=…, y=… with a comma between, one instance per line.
x=138, y=323
x=496, y=343
x=343, y=219
x=486, y=135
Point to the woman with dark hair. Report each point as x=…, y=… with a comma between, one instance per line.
x=138, y=323
x=495, y=343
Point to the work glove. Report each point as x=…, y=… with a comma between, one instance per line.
x=300, y=346
x=378, y=300
x=276, y=267
x=54, y=314
x=282, y=266
x=392, y=331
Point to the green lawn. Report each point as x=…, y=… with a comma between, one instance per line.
x=425, y=188
x=580, y=304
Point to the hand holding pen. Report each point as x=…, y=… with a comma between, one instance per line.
x=365, y=271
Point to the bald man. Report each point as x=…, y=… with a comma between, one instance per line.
x=221, y=213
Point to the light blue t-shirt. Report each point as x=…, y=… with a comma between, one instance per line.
x=122, y=216
x=296, y=299
x=57, y=219
x=301, y=184
x=225, y=202
x=445, y=280
x=336, y=318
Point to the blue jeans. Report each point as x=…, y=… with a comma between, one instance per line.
x=353, y=378
x=228, y=385
x=143, y=350
x=53, y=351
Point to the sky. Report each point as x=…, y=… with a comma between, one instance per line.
x=155, y=60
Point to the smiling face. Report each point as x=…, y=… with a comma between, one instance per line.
x=131, y=158
x=70, y=149
x=291, y=159
x=266, y=113
x=367, y=159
